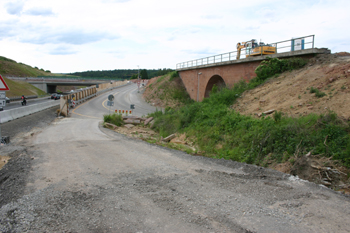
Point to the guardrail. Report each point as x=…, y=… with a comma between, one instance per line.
x=306, y=42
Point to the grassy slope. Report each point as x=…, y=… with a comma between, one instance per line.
x=10, y=67
x=18, y=88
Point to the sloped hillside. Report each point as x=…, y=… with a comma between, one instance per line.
x=322, y=85
x=10, y=68
x=18, y=88
x=166, y=91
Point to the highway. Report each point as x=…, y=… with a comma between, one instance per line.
x=17, y=104
x=123, y=97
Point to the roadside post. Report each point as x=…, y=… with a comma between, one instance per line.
x=132, y=107
x=73, y=100
x=2, y=99
x=110, y=102
x=3, y=88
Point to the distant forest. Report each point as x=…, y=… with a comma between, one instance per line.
x=122, y=74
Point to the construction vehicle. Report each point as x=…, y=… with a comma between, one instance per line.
x=253, y=48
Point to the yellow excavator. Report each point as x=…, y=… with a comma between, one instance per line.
x=253, y=48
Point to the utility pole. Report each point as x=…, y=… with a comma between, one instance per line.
x=198, y=86
x=138, y=79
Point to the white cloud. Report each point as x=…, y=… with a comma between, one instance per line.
x=70, y=36
x=61, y=50
x=14, y=7
x=76, y=35
x=39, y=11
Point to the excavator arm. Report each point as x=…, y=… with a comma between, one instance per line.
x=239, y=48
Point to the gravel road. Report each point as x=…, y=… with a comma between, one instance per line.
x=72, y=175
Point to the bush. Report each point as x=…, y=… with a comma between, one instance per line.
x=317, y=92
x=273, y=66
x=173, y=75
x=115, y=119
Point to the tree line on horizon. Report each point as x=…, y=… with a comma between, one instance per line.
x=123, y=73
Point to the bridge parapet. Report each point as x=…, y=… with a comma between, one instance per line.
x=292, y=47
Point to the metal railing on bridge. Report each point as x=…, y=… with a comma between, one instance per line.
x=294, y=44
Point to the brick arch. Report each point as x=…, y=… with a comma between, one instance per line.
x=214, y=80
x=198, y=81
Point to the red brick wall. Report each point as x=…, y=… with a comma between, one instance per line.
x=231, y=74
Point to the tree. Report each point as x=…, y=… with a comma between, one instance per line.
x=134, y=76
x=144, y=74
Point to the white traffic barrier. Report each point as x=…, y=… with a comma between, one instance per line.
x=5, y=116
x=12, y=114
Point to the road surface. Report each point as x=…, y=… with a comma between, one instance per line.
x=18, y=103
x=85, y=178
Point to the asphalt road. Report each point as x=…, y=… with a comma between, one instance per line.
x=85, y=178
x=18, y=104
x=123, y=98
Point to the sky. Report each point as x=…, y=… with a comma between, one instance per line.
x=78, y=35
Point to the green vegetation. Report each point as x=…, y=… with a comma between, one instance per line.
x=221, y=132
x=274, y=66
x=170, y=89
x=122, y=73
x=318, y=94
x=18, y=88
x=115, y=119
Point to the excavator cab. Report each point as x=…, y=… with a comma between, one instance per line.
x=253, y=48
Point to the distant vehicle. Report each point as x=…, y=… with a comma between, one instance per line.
x=72, y=91
x=57, y=97
x=7, y=99
x=53, y=95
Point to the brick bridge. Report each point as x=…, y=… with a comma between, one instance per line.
x=200, y=79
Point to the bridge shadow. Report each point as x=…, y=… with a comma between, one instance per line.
x=215, y=80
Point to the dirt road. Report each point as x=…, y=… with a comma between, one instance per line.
x=85, y=178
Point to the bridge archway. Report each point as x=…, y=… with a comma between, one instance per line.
x=214, y=80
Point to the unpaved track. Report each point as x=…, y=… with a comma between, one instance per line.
x=85, y=178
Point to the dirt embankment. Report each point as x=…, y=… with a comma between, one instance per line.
x=290, y=92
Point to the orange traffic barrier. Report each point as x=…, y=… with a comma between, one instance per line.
x=122, y=111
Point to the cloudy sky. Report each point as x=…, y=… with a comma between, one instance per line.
x=78, y=35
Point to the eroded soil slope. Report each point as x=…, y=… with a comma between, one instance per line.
x=290, y=92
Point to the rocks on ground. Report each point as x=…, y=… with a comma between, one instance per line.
x=141, y=128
